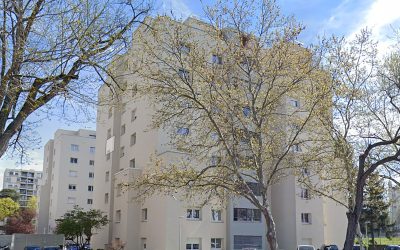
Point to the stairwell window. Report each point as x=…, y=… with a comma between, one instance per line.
x=133, y=115
x=247, y=214
x=90, y=201
x=133, y=139
x=91, y=162
x=144, y=214
x=132, y=163
x=216, y=215
x=306, y=218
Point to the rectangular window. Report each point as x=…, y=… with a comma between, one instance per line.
x=133, y=139
x=91, y=174
x=91, y=162
x=92, y=150
x=193, y=214
x=106, y=198
x=246, y=214
x=216, y=243
x=122, y=152
x=306, y=218
x=133, y=115
x=73, y=173
x=117, y=216
x=74, y=147
x=182, y=131
x=71, y=200
x=73, y=160
x=295, y=103
x=132, y=163
x=305, y=194
x=255, y=188
x=184, y=74
x=119, y=189
x=192, y=246
x=108, y=156
x=305, y=171
x=296, y=148
x=216, y=59
x=123, y=128
x=72, y=187
x=216, y=215
x=107, y=176
x=90, y=188
x=144, y=214
x=247, y=242
x=90, y=201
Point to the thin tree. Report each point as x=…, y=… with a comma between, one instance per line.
x=238, y=98
x=51, y=51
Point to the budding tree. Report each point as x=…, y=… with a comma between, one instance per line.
x=239, y=99
x=49, y=50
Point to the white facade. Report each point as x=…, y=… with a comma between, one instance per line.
x=167, y=223
x=68, y=169
x=25, y=182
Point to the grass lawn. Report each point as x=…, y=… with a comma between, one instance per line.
x=385, y=241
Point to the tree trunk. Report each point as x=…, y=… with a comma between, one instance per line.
x=271, y=230
x=351, y=230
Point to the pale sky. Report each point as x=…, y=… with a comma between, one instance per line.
x=320, y=17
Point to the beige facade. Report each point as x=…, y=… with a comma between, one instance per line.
x=125, y=145
x=68, y=174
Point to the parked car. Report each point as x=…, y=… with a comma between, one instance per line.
x=32, y=248
x=330, y=247
x=358, y=247
x=305, y=247
x=51, y=248
x=392, y=247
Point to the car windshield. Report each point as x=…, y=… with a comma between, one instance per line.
x=305, y=248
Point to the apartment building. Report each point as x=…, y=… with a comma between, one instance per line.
x=125, y=145
x=68, y=174
x=25, y=182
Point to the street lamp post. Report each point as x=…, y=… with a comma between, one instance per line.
x=366, y=233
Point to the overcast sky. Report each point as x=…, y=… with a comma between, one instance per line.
x=320, y=17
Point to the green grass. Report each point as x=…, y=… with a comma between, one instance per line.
x=385, y=241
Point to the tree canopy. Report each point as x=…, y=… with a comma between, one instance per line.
x=8, y=207
x=9, y=193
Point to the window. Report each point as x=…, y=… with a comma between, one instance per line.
x=306, y=218
x=108, y=156
x=182, y=131
x=123, y=129
x=306, y=171
x=193, y=214
x=92, y=150
x=246, y=111
x=247, y=242
x=144, y=214
x=109, y=133
x=305, y=194
x=295, y=103
x=132, y=163
x=192, y=246
x=184, y=48
x=107, y=176
x=296, y=148
x=133, y=115
x=216, y=243
x=91, y=174
x=117, y=216
x=91, y=162
x=110, y=111
x=122, y=152
x=72, y=187
x=255, y=188
x=73, y=160
x=106, y=198
x=133, y=139
x=216, y=215
x=73, y=173
x=119, y=189
x=90, y=201
x=246, y=214
x=93, y=136
x=71, y=200
x=74, y=147
x=216, y=59
x=90, y=188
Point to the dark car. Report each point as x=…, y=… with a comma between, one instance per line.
x=392, y=247
x=51, y=248
x=331, y=247
x=32, y=248
x=358, y=247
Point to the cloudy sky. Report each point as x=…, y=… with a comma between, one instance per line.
x=320, y=17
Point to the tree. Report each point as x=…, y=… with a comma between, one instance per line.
x=47, y=49
x=8, y=207
x=9, y=193
x=22, y=222
x=78, y=225
x=364, y=125
x=239, y=119
x=375, y=210
x=32, y=203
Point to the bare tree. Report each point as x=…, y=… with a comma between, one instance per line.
x=51, y=51
x=239, y=98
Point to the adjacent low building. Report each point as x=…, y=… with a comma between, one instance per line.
x=68, y=173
